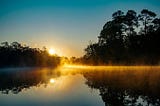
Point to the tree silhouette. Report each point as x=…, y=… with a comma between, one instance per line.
x=16, y=55
x=147, y=17
x=127, y=39
x=131, y=21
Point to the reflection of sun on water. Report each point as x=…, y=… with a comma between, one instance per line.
x=52, y=80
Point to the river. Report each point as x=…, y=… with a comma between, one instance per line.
x=73, y=85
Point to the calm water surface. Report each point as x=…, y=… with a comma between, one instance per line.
x=80, y=86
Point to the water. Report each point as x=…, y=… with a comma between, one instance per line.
x=80, y=86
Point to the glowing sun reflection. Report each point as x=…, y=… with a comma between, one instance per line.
x=52, y=81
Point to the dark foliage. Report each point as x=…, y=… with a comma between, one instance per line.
x=16, y=55
x=127, y=39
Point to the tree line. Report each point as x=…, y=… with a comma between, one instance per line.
x=129, y=38
x=18, y=55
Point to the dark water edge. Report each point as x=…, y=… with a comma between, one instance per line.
x=14, y=69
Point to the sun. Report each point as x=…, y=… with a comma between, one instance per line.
x=51, y=51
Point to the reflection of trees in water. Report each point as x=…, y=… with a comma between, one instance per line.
x=117, y=88
x=19, y=80
x=123, y=88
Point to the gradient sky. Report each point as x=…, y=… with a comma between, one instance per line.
x=65, y=25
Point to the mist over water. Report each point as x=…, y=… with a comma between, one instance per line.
x=70, y=85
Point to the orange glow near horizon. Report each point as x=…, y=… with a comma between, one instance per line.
x=85, y=67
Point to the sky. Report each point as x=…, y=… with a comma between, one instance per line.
x=64, y=25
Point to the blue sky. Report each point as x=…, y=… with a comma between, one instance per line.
x=65, y=25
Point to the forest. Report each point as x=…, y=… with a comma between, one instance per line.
x=128, y=39
x=18, y=55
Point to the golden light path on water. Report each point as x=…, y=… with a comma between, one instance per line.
x=63, y=81
x=69, y=69
x=84, y=67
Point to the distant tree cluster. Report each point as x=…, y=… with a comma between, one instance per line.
x=129, y=38
x=17, y=55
